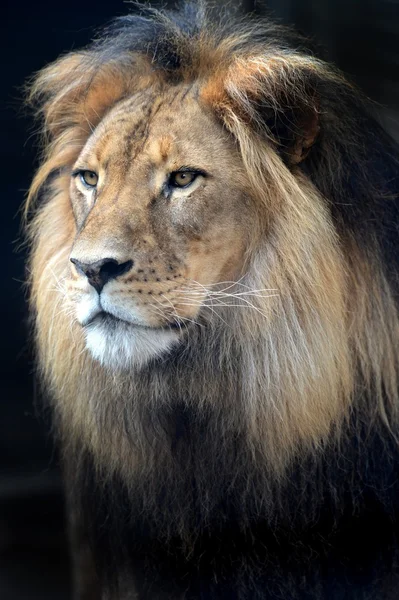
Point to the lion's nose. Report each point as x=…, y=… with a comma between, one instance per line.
x=100, y=272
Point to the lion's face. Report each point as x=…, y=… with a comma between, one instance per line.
x=158, y=194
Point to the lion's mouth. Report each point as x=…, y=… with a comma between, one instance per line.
x=109, y=320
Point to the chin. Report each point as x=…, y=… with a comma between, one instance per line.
x=119, y=345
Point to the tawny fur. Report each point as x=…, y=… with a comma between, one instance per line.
x=291, y=365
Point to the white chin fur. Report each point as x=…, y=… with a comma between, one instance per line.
x=124, y=346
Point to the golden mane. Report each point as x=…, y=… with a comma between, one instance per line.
x=336, y=320
x=295, y=374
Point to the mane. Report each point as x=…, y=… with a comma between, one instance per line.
x=255, y=389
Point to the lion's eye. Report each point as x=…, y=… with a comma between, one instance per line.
x=88, y=178
x=181, y=179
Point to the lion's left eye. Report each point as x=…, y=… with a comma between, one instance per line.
x=182, y=179
x=88, y=178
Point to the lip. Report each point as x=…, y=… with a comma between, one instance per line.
x=110, y=320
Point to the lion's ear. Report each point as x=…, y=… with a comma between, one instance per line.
x=58, y=92
x=77, y=90
x=275, y=95
x=71, y=96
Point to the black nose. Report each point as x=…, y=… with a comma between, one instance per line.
x=101, y=271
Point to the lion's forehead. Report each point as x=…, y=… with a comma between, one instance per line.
x=166, y=130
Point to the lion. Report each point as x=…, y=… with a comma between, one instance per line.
x=214, y=283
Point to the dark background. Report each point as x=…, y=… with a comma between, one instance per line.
x=361, y=37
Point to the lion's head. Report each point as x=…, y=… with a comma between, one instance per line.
x=207, y=233
x=163, y=214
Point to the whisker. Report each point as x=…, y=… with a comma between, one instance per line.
x=255, y=293
x=246, y=305
x=175, y=315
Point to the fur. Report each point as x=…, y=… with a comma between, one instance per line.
x=242, y=457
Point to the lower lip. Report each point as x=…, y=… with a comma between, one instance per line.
x=108, y=319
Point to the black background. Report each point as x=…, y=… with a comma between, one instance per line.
x=361, y=37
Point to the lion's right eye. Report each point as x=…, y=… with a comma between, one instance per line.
x=182, y=179
x=88, y=178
